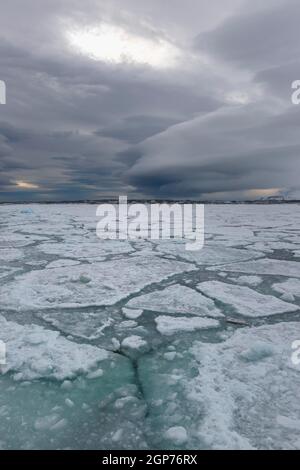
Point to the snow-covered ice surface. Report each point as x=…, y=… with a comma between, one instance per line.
x=244, y=300
x=33, y=352
x=289, y=287
x=176, y=299
x=169, y=325
x=142, y=344
x=92, y=284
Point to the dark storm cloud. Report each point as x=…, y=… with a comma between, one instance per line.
x=219, y=120
x=252, y=145
x=135, y=129
x=230, y=150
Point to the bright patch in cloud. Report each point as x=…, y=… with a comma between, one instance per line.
x=113, y=44
x=264, y=192
x=237, y=98
x=25, y=185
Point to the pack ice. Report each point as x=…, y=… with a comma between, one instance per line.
x=109, y=344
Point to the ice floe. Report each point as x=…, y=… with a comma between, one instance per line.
x=211, y=254
x=249, y=280
x=134, y=342
x=176, y=299
x=33, y=352
x=288, y=287
x=171, y=325
x=10, y=254
x=265, y=266
x=87, y=249
x=87, y=325
x=132, y=314
x=244, y=300
x=177, y=435
x=62, y=263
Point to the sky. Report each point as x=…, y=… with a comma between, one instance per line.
x=150, y=99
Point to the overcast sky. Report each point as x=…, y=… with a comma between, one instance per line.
x=149, y=98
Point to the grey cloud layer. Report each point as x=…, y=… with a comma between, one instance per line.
x=220, y=121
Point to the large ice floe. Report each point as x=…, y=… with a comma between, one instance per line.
x=33, y=352
x=244, y=300
x=290, y=287
x=265, y=266
x=176, y=299
x=169, y=325
x=108, y=344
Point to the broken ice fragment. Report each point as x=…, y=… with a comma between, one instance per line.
x=134, y=342
x=170, y=325
x=177, y=435
x=290, y=287
x=132, y=314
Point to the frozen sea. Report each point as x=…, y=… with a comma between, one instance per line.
x=143, y=345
